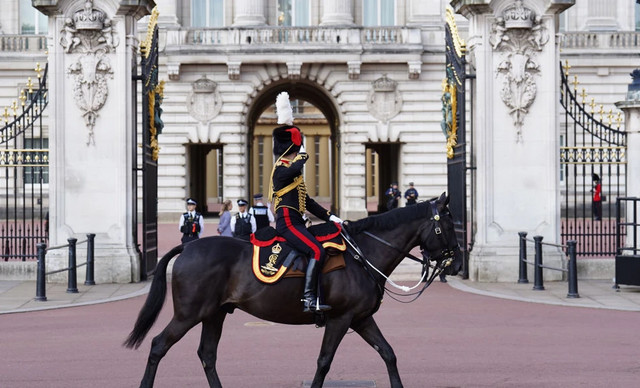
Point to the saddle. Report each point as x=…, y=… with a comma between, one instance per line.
x=274, y=259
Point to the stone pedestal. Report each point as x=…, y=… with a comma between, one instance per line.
x=631, y=109
x=512, y=45
x=92, y=48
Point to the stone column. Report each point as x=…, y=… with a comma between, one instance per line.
x=631, y=109
x=249, y=13
x=168, y=11
x=337, y=12
x=513, y=46
x=423, y=12
x=92, y=48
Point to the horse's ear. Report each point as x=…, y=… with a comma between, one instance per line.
x=444, y=198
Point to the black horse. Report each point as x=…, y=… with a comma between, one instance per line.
x=213, y=276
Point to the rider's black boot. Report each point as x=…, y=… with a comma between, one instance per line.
x=310, y=300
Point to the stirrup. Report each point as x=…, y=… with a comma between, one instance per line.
x=312, y=305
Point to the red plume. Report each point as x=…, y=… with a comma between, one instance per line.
x=296, y=137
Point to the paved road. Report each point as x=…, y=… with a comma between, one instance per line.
x=448, y=338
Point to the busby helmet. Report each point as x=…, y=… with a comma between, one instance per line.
x=595, y=177
x=286, y=138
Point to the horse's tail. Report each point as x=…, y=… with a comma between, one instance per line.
x=154, y=302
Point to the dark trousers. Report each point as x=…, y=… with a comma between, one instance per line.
x=597, y=210
x=290, y=225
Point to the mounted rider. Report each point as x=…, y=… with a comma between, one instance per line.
x=290, y=200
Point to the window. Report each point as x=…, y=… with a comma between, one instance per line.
x=293, y=13
x=637, y=17
x=31, y=20
x=207, y=13
x=378, y=13
x=35, y=174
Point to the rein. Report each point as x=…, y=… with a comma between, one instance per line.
x=447, y=255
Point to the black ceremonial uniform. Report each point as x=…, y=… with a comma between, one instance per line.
x=290, y=201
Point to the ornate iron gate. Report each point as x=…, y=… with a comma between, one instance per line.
x=454, y=128
x=24, y=172
x=152, y=93
x=589, y=149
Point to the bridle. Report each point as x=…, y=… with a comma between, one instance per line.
x=444, y=257
x=445, y=254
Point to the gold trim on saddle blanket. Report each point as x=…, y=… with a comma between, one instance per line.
x=269, y=274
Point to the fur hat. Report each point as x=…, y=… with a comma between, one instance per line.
x=286, y=139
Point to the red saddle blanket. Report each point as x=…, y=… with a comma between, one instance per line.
x=274, y=259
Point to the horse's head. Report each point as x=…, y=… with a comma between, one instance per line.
x=438, y=237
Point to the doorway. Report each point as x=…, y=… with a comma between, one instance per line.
x=204, y=166
x=381, y=170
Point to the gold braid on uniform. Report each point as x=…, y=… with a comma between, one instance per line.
x=276, y=164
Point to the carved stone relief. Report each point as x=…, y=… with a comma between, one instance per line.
x=90, y=33
x=384, y=100
x=204, y=102
x=520, y=35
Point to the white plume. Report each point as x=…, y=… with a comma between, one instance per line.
x=283, y=109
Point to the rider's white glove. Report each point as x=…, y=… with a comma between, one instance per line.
x=302, y=150
x=335, y=218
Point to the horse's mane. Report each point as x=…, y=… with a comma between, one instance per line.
x=390, y=219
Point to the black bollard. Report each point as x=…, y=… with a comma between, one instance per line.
x=72, y=281
x=537, y=277
x=523, y=256
x=573, y=270
x=41, y=290
x=90, y=260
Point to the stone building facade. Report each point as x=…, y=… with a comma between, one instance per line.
x=365, y=77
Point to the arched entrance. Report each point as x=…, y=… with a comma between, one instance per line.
x=316, y=116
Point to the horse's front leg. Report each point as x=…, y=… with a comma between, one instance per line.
x=208, y=350
x=333, y=334
x=369, y=331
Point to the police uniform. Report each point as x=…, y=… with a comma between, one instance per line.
x=243, y=224
x=191, y=223
x=411, y=195
x=290, y=200
x=392, y=194
x=262, y=214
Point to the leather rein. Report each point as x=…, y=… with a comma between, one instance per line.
x=445, y=256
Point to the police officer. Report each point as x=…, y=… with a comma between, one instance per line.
x=411, y=195
x=191, y=223
x=263, y=215
x=393, y=194
x=243, y=224
x=290, y=200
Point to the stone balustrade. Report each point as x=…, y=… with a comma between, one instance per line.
x=600, y=40
x=315, y=35
x=23, y=43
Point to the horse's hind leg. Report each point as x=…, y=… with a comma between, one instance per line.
x=211, y=332
x=369, y=331
x=333, y=335
x=161, y=344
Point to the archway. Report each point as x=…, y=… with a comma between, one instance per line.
x=316, y=116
